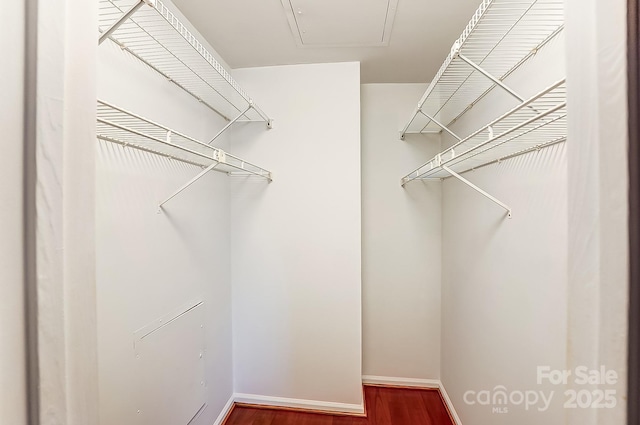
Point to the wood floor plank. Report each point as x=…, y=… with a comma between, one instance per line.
x=410, y=414
x=349, y=420
x=245, y=415
x=377, y=406
x=385, y=406
x=435, y=408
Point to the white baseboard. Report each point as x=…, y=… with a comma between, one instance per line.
x=331, y=407
x=400, y=382
x=449, y=404
x=415, y=383
x=293, y=403
x=225, y=411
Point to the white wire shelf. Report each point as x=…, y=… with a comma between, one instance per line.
x=125, y=128
x=501, y=36
x=514, y=133
x=151, y=32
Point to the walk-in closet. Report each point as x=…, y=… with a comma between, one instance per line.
x=382, y=212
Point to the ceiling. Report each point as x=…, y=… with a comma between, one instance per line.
x=250, y=33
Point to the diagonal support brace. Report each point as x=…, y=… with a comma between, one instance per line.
x=439, y=124
x=229, y=124
x=476, y=188
x=195, y=179
x=119, y=22
x=494, y=80
x=491, y=77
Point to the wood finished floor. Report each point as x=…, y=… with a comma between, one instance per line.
x=385, y=406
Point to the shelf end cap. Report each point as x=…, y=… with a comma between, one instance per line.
x=455, y=49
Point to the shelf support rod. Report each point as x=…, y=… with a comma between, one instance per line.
x=406, y=127
x=119, y=22
x=491, y=77
x=439, y=124
x=264, y=116
x=476, y=188
x=192, y=181
x=229, y=124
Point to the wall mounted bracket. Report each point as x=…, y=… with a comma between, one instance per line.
x=220, y=158
x=229, y=124
x=477, y=189
x=439, y=124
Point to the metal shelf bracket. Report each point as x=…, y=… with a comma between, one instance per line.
x=489, y=76
x=219, y=156
x=477, y=189
x=233, y=121
x=229, y=124
x=122, y=19
x=439, y=124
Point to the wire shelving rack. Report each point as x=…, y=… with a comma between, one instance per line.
x=501, y=36
x=149, y=31
x=152, y=33
x=117, y=125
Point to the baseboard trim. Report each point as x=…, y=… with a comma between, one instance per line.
x=434, y=384
x=449, y=404
x=299, y=404
x=226, y=410
x=400, y=382
x=332, y=408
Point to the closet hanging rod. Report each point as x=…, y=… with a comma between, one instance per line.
x=526, y=103
x=429, y=170
x=118, y=125
x=539, y=131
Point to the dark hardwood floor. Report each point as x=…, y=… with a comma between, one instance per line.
x=385, y=406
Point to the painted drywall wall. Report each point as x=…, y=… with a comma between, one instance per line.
x=401, y=241
x=504, y=285
x=296, y=255
x=79, y=266
x=59, y=213
x=12, y=355
x=598, y=185
x=151, y=264
x=504, y=294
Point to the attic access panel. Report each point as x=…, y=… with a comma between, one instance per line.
x=170, y=366
x=339, y=23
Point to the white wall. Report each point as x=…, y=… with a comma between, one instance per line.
x=401, y=241
x=60, y=253
x=504, y=283
x=60, y=214
x=504, y=295
x=150, y=264
x=598, y=203
x=79, y=213
x=12, y=353
x=296, y=256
